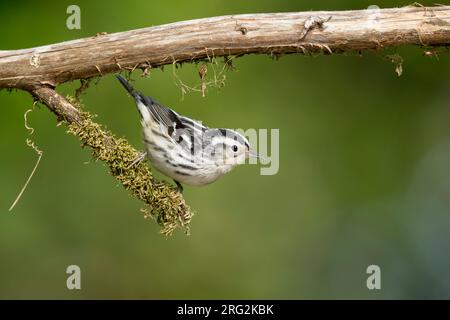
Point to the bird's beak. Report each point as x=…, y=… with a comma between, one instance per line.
x=253, y=154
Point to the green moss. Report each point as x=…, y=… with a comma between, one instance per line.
x=164, y=203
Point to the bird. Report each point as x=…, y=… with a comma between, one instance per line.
x=184, y=149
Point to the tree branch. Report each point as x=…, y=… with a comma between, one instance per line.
x=165, y=203
x=272, y=33
x=62, y=108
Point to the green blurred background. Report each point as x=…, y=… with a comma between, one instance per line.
x=364, y=173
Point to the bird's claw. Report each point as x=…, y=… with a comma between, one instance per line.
x=179, y=186
x=138, y=159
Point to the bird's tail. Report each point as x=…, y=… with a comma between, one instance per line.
x=134, y=93
x=143, y=103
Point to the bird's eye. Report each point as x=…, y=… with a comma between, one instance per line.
x=234, y=148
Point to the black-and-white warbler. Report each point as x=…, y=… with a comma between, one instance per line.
x=184, y=149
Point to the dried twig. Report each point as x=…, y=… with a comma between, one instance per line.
x=39, y=152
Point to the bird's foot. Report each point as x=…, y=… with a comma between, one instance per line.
x=179, y=186
x=138, y=159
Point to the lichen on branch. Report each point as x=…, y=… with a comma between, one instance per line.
x=164, y=203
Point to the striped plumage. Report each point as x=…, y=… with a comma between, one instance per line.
x=184, y=149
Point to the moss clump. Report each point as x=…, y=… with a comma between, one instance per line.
x=164, y=203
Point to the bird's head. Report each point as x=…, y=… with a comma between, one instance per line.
x=228, y=147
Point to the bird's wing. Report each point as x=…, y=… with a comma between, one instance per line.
x=185, y=132
x=190, y=135
x=162, y=115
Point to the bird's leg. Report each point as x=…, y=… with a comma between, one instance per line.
x=179, y=186
x=138, y=159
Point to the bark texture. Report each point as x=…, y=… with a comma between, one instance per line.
x=269, y=33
